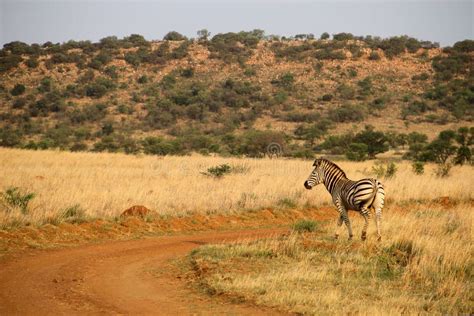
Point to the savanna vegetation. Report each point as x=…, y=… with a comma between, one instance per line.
x=422, y=266
x=40, y=187
x=199, y=127
x=236, y=94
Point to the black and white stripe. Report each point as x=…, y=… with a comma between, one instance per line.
x=347, y=195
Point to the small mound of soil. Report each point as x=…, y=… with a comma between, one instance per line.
x=137, y=211
x=446, y=201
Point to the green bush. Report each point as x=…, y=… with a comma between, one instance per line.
x=347, y=113
x=18, y=89
x=327, y=97
x=346, y=92
x=100, y=87
x=305, y=225
x=285, y=81
x=32, y=62
x=8, y=62
x=324, y=36
x=374, y=56
x=159, y=146
x=142, y=79
x=387, y=171
x=13, y=197
x=418, y=167
x=443, y=170
x=357, y=152
x=218, y=171
x=74, y=214
x=174, y=36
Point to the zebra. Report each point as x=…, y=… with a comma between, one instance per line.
x=349, y=195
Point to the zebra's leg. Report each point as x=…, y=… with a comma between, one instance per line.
x=366, y=214
x=340, y=220
x=378, y=206
x=348, y=223
x=378, y=221
x=345, y=218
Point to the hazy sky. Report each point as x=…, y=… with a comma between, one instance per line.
x=60, y=20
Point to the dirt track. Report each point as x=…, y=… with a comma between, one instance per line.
x=129, y=277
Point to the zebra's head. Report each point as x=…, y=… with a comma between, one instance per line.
x=316, y=177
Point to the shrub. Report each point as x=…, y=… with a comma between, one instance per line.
x=391, y=170
x=343, y=36
x=443, y=169
x=352, y=72
x=324, y=36
x=99, y=87
x=418, y=167
x=32, y=62
x=218, y=171
x=10, y=137
x=74, y=214
x=305, y=225
x=376, y=141
x=327, y=97
x=357, y=152
x=187, y=72
x=8, y=62
x=286, y=81
x=374, y=56
x=142, y=79
x=174, y=36
x=18, y=89
x=345, y=91
x=13, y=197
x=387, y=171
x=79, y=147
x=421, y=77
x=347, y=113
x=466, y=46
x=111, y=71
x=159, y=146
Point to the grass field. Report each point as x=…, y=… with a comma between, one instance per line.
x=424, y=265
x=103, y=185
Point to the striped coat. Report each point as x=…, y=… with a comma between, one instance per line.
x=360, y=196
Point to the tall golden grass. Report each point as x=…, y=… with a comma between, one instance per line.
x=105, y=184
x=423, y=265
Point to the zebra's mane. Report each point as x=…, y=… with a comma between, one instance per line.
x=332, y=164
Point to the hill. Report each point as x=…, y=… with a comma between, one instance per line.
x=236, y=93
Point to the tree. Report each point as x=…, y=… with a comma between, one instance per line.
x=324, y=36
x=357, y=152
x=440, y=149
x=465, y=138
x=376, y=141
x=203, y=35
x=174, y=36
x=313, y=132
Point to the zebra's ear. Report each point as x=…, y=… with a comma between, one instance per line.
x=316, y=163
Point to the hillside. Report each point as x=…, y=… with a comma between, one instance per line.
x=236, y=93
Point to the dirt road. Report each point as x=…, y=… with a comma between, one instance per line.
x=131, y=277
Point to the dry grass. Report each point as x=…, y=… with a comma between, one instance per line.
x=424, y=265
x=106, y=184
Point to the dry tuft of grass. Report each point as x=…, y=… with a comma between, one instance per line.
x=102, y=185
x=424, y=265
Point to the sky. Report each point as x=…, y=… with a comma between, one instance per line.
x=39, y=21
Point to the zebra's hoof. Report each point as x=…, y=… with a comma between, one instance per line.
x=336, y=236
x=350, y=237
x=364, y=236
x=379, y=238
